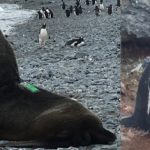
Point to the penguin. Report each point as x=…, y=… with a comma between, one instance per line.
x=101, y=1
x=77, y=3
x=43, y=36
x=93, y=2
x=80, y=9
x=49, y=13
x=76, y=42
x=40, y=14
x=42, y=11
x=76, y=11
x=101, y=7
x=118, y=3
x=140, y=119
x=33, y=117
x=71, y=9
x=67, y=12
x=63, y=5
x=97, y=10
x=87, y=2
x=110, y=9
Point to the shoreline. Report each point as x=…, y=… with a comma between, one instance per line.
x=89, y=73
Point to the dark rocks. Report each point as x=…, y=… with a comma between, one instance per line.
x=135, y=29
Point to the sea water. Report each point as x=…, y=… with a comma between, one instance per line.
x=11, y=15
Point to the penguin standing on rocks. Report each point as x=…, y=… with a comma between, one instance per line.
x=76, y=11
x=49, y=12
x=67, y=12
x=80, y=9
x=118, y=3
x=41, y=13
x=63, y=5
x=77, y=42
x=71, y=9
x=43, y=36
x=31, y=117
x=77, y=3
x=93, y=2
x=110, y=9
x=87, y=2
x=101, y=6
x=140, y=119
x=97, y=10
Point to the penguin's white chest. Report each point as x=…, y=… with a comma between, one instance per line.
x=43, y=35
x=101, y=7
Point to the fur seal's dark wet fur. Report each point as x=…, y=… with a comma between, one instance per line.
x=42, y=118
x=141, y=117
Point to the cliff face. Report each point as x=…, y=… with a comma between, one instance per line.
x=135, y=28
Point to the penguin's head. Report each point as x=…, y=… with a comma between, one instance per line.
x=81, y=39
x=44, y=26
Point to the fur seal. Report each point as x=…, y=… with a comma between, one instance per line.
x=141, y=116
x=34, y=117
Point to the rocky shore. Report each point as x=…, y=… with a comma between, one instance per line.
x=90, y=73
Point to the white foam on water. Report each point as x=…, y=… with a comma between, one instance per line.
x=11, y=15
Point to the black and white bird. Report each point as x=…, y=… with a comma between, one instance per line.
x=87, y=2
x=71, y=9
x=101, y=6
x=118, y=3
x=110, y=9
x=63, y=5
x=68, y=12
x=76, y=42
x=93, y=2
x=43, y=36
x=97, y=10
x=49, y=13
x=76, y=11
x=77, y=3
x=41, y=13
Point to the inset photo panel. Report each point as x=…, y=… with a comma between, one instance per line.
x=135, y=75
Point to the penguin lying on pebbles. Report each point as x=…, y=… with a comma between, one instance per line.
x=77, y=42
x=43, y=36
x=33, y=117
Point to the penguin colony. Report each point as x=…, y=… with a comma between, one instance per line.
x=42, y=118
x=77, y=9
